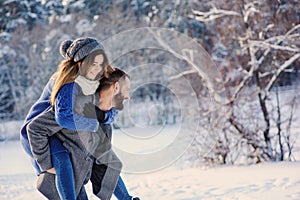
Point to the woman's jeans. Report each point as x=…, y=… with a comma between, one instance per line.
x=64, y=171
x=121, y=192
x=82, y=194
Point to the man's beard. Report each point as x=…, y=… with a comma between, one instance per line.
x=118, y=100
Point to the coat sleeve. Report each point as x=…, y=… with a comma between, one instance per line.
x=111, y=116
x=39, y=130
x=65, y=114
x=107, y=166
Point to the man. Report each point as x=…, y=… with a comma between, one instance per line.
x=81, y=145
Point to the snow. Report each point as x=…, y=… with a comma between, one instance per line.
x=10, y=130
x=263, y=181
x=266, y=181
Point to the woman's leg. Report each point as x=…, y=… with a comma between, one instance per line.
x=64, y=176
x=64, y=171
x=82, y=194
x=121, y=192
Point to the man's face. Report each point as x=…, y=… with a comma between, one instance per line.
x=123, y=94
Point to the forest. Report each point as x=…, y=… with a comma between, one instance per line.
x=228, y=71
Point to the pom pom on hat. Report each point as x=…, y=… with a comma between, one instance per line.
x=79, y=48
x=64, y=48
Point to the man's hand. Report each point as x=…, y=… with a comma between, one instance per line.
x=51, y=171
x=89, y=110
x=92, y=111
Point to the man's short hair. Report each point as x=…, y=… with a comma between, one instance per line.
x=114, y=77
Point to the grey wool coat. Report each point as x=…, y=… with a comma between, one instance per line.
x=90, y=152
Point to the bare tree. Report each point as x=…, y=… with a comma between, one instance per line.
x=264, y=55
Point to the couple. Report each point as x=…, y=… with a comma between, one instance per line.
x=67, y=132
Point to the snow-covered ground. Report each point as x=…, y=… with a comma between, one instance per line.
x=264, y=181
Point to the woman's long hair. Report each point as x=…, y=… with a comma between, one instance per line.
x=67, y=72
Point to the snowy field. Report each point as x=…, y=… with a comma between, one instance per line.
x=264, y=181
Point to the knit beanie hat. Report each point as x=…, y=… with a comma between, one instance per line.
x=79, y=48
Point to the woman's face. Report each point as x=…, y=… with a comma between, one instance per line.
x=95, y=68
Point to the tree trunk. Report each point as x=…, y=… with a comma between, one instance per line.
x=263, y=106
x=278, y=124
